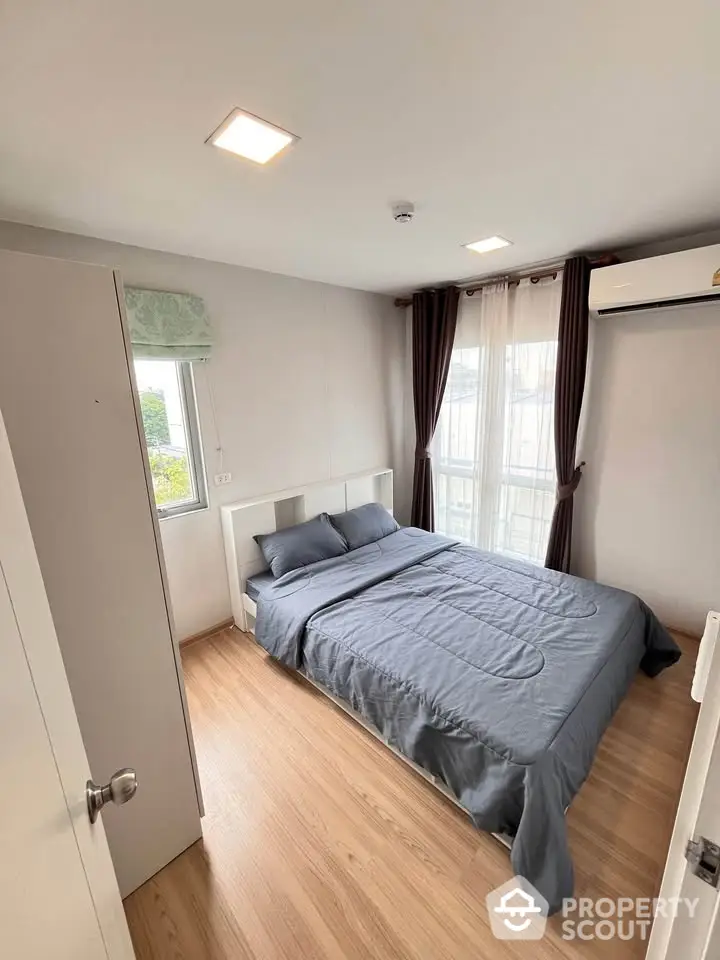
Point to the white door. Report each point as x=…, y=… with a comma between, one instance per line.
x=58, y=893
x=66, y=396
x=695, y=937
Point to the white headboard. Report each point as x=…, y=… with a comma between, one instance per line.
x=275, y=511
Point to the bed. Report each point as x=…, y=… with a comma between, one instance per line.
x=496, y=677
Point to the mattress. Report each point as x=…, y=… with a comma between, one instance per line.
x=255, y=584
x=496, y=676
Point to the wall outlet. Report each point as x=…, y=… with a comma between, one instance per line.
x=221, y=478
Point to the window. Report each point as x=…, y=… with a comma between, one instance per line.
x=167, y=402
x=494, y=456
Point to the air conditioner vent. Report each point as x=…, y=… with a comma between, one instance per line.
x=658, y=304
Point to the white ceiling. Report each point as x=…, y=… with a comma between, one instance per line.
x=563, y=125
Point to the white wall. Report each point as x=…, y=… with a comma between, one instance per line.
x=308, y=384
x=647, y=515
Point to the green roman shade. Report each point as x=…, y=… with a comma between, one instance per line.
x=167, y=326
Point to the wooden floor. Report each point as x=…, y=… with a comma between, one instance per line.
x=319, y=843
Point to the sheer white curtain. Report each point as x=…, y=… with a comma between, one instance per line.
x=494, y=456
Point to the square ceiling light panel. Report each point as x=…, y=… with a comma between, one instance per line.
x=490, y=243
x=250, y=137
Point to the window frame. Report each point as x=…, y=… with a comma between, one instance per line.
x=196, y=460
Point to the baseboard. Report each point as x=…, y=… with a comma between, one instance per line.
x=206, y=634
x=683, y=633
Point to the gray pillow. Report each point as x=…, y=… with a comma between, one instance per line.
x=297, y=546
x=364, y=524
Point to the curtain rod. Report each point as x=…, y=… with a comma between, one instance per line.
x=514, y=279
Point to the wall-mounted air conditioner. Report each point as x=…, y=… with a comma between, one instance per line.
x=676, y=278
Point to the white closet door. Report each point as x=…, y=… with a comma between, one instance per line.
x=66, y=397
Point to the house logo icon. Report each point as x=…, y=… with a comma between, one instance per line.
x=517, y=911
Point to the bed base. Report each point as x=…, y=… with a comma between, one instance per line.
x=250, y=610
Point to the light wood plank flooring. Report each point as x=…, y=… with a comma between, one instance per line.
x=319, y=843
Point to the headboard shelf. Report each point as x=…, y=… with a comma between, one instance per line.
x=241, y=521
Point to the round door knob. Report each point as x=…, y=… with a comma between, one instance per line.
x=122, y=787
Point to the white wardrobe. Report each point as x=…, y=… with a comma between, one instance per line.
x=68, y=400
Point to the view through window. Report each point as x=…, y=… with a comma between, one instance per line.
x=523, y=497
x=167, y=402
x=493, y=451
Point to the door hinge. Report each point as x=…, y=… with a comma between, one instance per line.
x=704, y=859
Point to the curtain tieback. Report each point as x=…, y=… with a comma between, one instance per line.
x=422, y=453
x=566, y=490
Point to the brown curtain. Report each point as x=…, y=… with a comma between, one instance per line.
x=569, y=387
x=434, y=321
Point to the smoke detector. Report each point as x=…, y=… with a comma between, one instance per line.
x=403, y=212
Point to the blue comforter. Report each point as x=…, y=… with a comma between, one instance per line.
x=495, y=675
